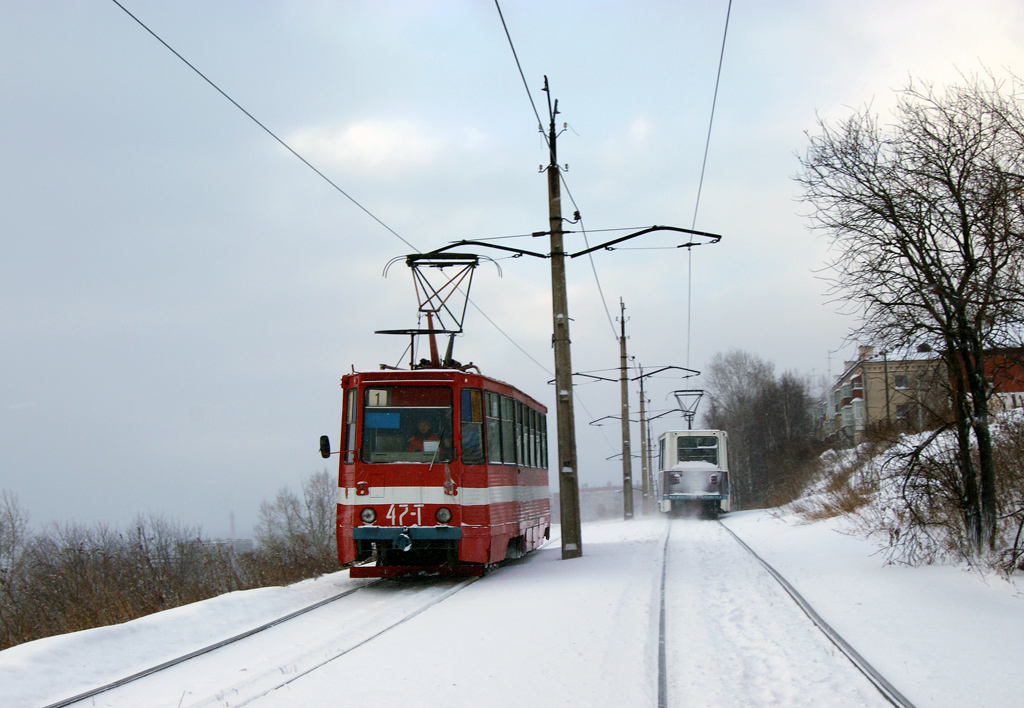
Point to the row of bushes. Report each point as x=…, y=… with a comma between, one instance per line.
x=71, y=577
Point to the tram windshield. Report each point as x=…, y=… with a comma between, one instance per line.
x=407, y=424
x=698, y=449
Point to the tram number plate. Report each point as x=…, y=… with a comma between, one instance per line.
x=397, y=514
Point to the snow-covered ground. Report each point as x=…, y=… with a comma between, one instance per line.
x=547, y=632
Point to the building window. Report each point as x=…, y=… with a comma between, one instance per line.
x=900, y=381
x=902, y=411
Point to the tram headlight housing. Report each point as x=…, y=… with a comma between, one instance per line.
x=368, y=515
x=443, y=515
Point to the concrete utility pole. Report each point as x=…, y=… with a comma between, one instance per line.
x=646, y=450
x=568, y=481
x=627, y=463
x=644, y=466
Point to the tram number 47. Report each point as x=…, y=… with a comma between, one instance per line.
x=397, y=513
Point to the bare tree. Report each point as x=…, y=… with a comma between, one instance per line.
x=767, y=420
x=13, y=530
x=320, y=507
x=926, y=220
x=14, y=540
x=301, y=532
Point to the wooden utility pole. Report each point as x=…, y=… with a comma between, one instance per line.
x=568, y=481
x=627, y=463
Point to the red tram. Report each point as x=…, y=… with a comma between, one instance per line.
x=442, y=470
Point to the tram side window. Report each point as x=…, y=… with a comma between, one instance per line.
x=407, y=424
x=699, y=448
x=661, y=454
x=350, y=426
x=493, y=402
x=541, y=433
x=508, y=440
x=472, y=420
x=520, y=433
x=543, y=440
x=531, y=437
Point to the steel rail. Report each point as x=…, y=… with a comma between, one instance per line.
x=91, y=693
x=662, y=658
x=460, y=586
x=887, y=690
x=199, y=652
x=456, y=588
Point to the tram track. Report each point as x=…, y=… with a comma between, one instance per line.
x=93, y=692
x=887, y=691
x=281, y=683
x=662, y=658
x=254, y=687
x=280, y=670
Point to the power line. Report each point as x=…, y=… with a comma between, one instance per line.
x=590, y=256
x=714, y=101
x=540, y=123
x=318, y=172
x=321, y=174
x=267, y=130
x=509, y=338
x=536, y=113
x=700, y=183
x=593, y=266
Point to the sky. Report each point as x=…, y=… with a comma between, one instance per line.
x=180, y=295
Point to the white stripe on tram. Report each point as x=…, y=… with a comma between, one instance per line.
x=466, y=496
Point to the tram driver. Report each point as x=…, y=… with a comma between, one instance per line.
x=424, y=439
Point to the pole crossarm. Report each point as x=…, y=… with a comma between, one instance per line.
x=691, y=372
x=597, y=423
x=595, y=377
x=618, y=456
x=517, y=251
x=607, y=245
x=589, y=376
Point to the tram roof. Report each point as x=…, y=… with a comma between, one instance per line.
x=471, y=378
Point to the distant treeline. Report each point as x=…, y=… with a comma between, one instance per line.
x=768, y=418
x=70, y=577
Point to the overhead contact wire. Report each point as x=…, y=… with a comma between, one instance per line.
x=267, y=130
x=700, y=183
x=321, y=174
x=590, y=256
x=540, y=124
x=515, y=55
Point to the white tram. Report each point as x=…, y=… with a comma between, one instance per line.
x=693, y=471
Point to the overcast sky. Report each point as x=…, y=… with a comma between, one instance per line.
x=179, y=295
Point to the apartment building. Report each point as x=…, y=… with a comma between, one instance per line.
x=909, y=390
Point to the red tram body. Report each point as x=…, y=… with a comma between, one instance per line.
x=441, y=471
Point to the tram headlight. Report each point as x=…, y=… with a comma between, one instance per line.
x=368, y=515
x=443, y=515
